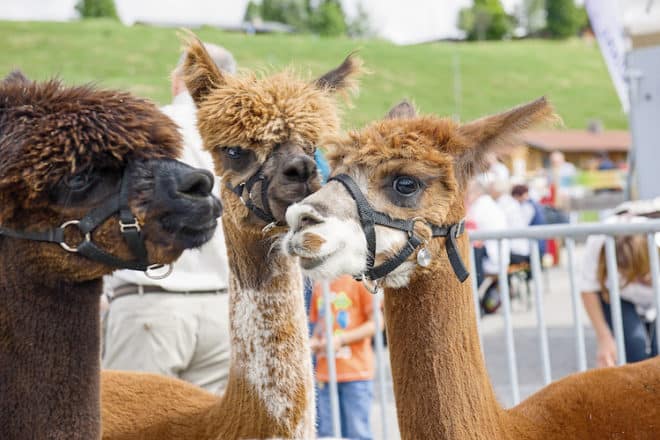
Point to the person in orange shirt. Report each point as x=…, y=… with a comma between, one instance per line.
x=353, y=326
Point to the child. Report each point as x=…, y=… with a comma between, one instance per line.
x=353, y=327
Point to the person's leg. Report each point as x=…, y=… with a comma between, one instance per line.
x=209, y=366
x=518, y=259
x=636, y=339
x=355, y=405
x=323, y=411
x=479, y=255
x=151, y=333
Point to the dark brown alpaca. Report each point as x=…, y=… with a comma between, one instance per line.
x=63, y=153
x=261, y=130
x=416, y=167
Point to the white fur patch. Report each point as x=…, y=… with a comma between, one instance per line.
x=344, y=250
x=390, y=241
x=275, y=370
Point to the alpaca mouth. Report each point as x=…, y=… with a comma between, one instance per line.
x=195, y=236
x=308, y=263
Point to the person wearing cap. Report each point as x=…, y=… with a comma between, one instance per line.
x=179, y=325
x=637, y=304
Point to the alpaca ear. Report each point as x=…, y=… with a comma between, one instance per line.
x=15, y=77
x=199, y=72
x=403, y=110
x=342, y=78
x=497, y=132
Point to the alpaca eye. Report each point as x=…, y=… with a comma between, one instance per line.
x=233, y=152
x=80, y=181
x=405, y=185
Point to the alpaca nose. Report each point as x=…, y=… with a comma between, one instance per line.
x=300, y=169
x=195, y=182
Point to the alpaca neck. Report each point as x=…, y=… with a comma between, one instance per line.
x=440, y=381
x=270, y=387
x=49, y=353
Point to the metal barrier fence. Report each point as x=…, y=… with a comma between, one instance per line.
x=569, y=233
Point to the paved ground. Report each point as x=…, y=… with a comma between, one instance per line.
x=559, y=321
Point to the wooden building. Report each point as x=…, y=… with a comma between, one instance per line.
x=582, y=148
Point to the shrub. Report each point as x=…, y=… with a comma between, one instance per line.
x=328, y=19
x=292, y=12
x=253, y=11
x=563, y=18
x=96, y=8
x=485, y=20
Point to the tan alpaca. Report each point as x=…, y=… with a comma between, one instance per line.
x=65, y=152
x=269, y=126
x=416, y=167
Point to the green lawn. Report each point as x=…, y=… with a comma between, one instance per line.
x=494, y=75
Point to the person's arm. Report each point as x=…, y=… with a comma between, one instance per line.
x=606, y=354
x=366, y=330
x=368, y=327
x=589, y=286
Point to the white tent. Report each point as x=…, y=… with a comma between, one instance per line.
x=223, y=13
x=42, y=10
x=415, y=21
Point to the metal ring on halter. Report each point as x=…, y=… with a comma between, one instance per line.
x=268, y=227
x=86, y=237
x=413, y=221
x=152, y=267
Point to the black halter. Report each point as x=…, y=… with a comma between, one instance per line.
x=369, y=218
x=128, y=225
x=263, y=213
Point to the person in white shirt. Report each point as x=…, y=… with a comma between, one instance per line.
x=179, y=325
x=500, y=191
x=483, y=213
x=637, y=304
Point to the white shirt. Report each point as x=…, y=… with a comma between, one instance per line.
x=499, y=171
x=637, y=293
x=515, y=219
x=487, y=215
x=205, y=268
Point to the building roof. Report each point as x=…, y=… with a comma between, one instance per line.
x=578, y=141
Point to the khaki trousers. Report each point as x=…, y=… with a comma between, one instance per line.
x=179, y=335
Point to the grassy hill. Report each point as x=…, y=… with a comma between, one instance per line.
x=494, y=75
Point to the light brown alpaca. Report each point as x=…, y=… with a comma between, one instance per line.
x=66, y=156
x=265, y=127
x=413, y=167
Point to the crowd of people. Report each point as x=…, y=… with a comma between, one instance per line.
x=179, y=325
x=493, y=202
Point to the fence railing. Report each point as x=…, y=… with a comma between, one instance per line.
x=569, y=233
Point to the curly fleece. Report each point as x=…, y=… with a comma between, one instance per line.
x=260, y=112
x=48, y=131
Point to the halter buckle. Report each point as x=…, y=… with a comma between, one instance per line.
x=135, y=226
x=86, y=237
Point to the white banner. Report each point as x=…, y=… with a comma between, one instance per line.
x=606, y=19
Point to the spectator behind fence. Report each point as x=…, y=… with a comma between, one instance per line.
x=177, y=326
x=500, y=191
x=483, y=213
x=637, y=304
x=353, y=326
x=532, y=212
